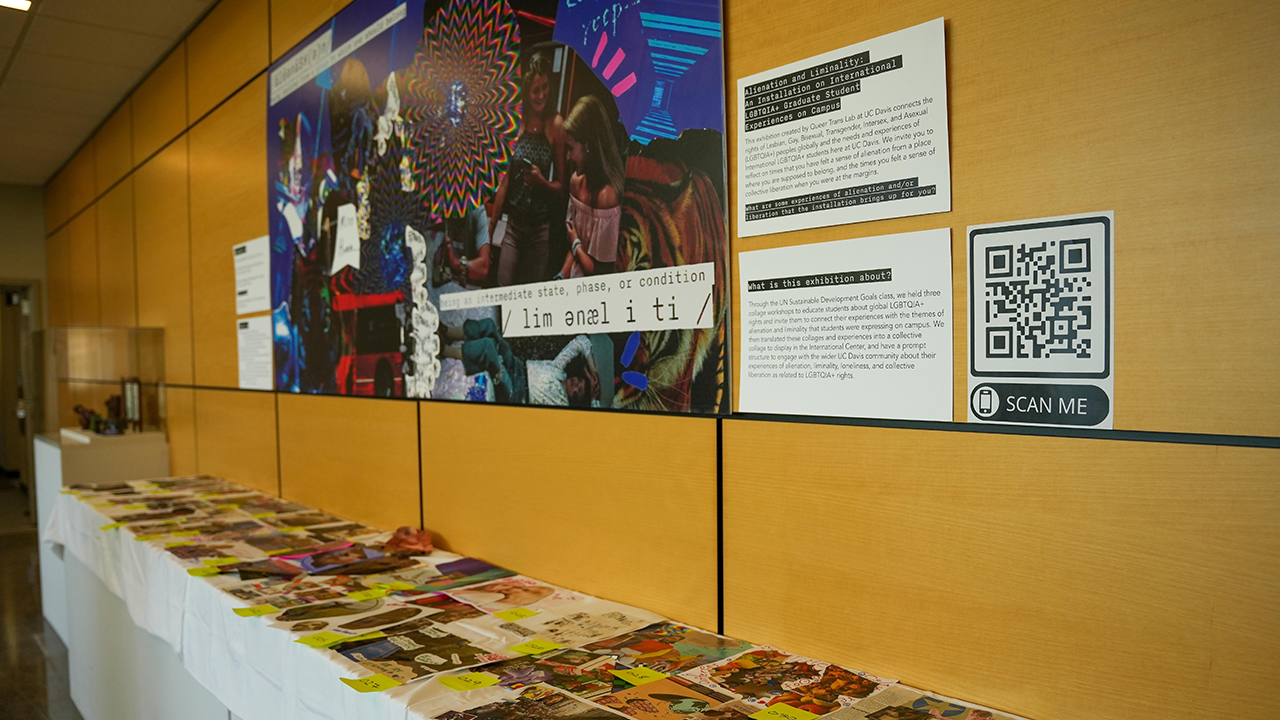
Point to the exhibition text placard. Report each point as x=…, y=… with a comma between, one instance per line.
x=851, y=328
x=851, y=135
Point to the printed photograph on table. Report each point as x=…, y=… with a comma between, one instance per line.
x=582, y=674
x=904, y=703
x=538, y=701
x=670, y=647
x=505, y=201
x=670, y=698
x=513, y=593
x=766, y=676
x=420, y=653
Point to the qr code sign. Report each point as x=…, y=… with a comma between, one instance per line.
x=1040, y=299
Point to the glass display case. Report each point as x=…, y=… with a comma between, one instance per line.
x=108, y=381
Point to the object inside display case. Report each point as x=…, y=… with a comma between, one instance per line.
x=108, y=381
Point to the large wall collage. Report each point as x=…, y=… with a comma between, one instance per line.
x=940, y=342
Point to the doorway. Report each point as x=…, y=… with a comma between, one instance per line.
x=18, y=391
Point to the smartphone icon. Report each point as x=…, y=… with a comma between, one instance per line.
x=985, y=397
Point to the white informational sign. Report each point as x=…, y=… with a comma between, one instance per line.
x=674, y=298
x=346, y=239
x=851, y=135
x=253, y=275
x=851, y=328
x=253, y=339
x=1042, y=321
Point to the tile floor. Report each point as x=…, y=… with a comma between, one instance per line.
x=33, y=660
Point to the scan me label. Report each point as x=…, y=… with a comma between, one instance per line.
x=1042, y=404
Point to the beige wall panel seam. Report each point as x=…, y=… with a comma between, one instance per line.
x=226, y=44
x=236, y=436
x=353, y=457
x=493, y=476
x=228, y=207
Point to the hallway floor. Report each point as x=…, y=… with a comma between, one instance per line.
x=33, y=660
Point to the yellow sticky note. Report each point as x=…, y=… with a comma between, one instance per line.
x=204, y=571
x=185, y=533
x=281, y=551
x=368, y=594
x=113, y=526
x=135, y=506
x=373, y=683
x=516, y=614
x=256, y=610
x=67, y=492
x=471, y=681
x=292, y=529
x=142, y=538
x=367, y=636
x=639, y=675
x=265, y=514
x=397, y=586
x=179, y=543
x=219, y=562
x=780, y=711
x=322, y=639
x=533, y=647
x=225, y=507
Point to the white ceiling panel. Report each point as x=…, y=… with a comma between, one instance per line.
x=43, y=124
x=75, y=64
x=11, y=22
x=49, y=98
x=97, y=78
x=77, y=41
x=26, y=164
x=167, y=19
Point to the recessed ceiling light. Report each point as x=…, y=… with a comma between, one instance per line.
x=16, y=4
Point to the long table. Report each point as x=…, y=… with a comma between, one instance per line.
x=257, y=664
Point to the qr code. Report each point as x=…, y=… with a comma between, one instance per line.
x=1040, y=299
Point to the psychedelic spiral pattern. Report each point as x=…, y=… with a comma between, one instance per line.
x=464, y=103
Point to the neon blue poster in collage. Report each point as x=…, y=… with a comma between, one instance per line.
x=507, y=201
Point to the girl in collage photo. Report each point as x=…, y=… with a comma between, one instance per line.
x=595, y=190
x=533, y=185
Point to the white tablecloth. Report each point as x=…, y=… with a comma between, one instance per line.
x=257, y=671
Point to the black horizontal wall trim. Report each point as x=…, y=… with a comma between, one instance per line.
x=1259, y=441
x=1123, y=435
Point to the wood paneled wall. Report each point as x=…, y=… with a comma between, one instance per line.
x=228, y=206
x=1069, y=106
x=580, y=492
x=1051, y=576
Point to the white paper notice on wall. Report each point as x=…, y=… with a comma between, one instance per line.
x=253, y=275
x=1042, y=321
x=253, y=340
x=346, y=249
x=851, y=328
x=851, y=135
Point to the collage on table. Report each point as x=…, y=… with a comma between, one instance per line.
x=485, y=642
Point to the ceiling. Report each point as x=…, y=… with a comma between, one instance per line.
x=66, y=64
